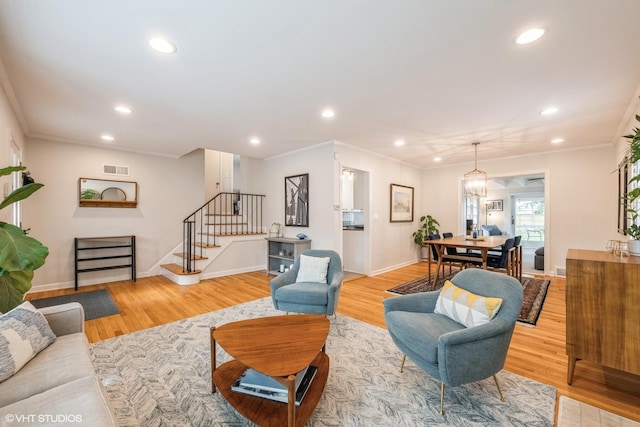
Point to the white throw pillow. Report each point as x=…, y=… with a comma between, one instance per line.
x=465, y=307
x=313, y=269
x=24, y=332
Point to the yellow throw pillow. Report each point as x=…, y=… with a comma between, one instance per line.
x=465, y=307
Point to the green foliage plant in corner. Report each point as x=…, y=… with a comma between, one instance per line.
x=20, y=254
x=428, y=225
x=632, y=156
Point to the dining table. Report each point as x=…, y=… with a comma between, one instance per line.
x=480, y=243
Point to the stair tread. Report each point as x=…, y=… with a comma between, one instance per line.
x=226, y=223
x=193, y=256
x=221, y=214
x=177, y=269
x=204, y=245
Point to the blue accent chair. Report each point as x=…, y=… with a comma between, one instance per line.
x=309, y=298
x=447, y=350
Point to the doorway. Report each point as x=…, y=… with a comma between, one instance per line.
x=356, y=226
x=528, y=219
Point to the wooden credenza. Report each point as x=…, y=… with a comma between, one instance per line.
x=603, y=310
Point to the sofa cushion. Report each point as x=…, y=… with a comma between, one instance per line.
x=65, y=360
x=419, y=332
x=465, y=307
x=313, y=269
x=81, y=402
x=304, y=293
x=24, y=332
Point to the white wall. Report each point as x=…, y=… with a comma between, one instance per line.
x=8, y=126
x=168, y=190
x=317, y=161
x=581, y=191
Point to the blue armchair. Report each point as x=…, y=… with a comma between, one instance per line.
x=309, y=297
x=447, y=350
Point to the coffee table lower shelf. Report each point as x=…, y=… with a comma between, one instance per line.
x=265, y=412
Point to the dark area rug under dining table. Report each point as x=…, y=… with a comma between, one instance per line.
x=535, y=292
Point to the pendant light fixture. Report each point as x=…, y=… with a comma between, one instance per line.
x=475, y=182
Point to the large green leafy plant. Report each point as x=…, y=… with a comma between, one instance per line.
x=20, y=254
x=428, y=225
x=632, y=156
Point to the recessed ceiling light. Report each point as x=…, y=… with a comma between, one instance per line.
x=254, y=141
x=557, y=140
x=107, y=137
x=399, y=142
x=162, y=45
x=437, y=159
x=328, y=114
x=549, y=110
x=530, y=35
x=122, y=109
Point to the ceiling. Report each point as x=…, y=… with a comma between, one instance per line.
x=437, y=74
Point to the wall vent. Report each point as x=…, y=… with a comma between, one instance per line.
x=561, y=271
x=115, y=170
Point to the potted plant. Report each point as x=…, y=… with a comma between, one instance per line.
x=428, y=225
x=629, y=200
x=20, y=254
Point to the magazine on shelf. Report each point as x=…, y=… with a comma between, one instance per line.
x=256, y=384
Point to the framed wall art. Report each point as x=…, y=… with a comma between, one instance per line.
x=623, y=189
x=296, y=200
x=401, y=203
x=494, y=205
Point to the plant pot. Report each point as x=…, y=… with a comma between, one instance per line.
x=634, y=247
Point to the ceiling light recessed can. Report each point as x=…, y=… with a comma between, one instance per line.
x=254, y=141
x=549, y=110
x=557, y=140
x=530, y=36
x=162, y=45
x=399, y=142
x=437, y=159
x=328, y=114
x=122, y=109
x=106, y=137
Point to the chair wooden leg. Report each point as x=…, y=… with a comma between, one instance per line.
x=442, y=399
x=404, y=359
x=499, y=391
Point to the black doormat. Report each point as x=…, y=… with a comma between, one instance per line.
x=95, y=303
x=535, y=292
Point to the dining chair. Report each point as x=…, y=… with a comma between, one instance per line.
x=445, y=259
x=515, y=258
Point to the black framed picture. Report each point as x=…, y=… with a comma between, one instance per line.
x=623, y=178
x=296, y=200
x=401, y=204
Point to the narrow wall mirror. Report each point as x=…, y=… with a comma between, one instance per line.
x=106, y=193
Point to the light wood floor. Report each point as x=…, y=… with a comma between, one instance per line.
x=536, y=352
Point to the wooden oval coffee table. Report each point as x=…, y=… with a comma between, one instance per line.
x=277, y=346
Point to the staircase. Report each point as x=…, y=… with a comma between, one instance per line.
x=206, y=233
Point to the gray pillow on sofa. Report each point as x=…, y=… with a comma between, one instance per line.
x=24, y=332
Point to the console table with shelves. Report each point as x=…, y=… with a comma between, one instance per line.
x=284, y=251
x=104, y=253
x=602, y=298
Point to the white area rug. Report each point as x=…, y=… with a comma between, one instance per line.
x=162, y=376
x=572, y=413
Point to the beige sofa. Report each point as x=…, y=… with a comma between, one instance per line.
x=58, y=386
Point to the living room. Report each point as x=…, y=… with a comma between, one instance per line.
x=580, y=189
